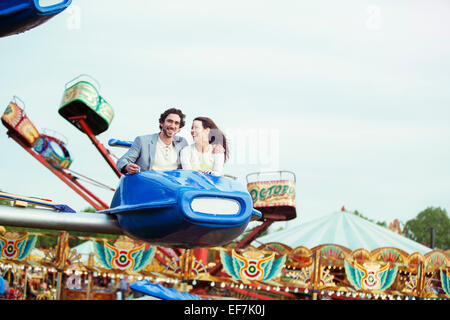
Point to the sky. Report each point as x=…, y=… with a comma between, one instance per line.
x=351, y=96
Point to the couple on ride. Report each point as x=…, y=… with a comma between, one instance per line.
x=165, y=151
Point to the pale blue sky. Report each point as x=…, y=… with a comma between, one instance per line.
x=352, y=96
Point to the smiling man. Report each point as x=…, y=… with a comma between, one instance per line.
x=158, y=151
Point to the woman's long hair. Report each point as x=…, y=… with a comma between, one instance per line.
x=216, y=136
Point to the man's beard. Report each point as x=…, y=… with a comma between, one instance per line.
x=166, y=133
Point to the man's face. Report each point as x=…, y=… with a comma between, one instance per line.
x=171, y=125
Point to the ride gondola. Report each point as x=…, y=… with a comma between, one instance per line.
x=274, y=197
x=18, y=124
x=17, y=16
x=182, y=208
x=83, y=100
x=54, y=150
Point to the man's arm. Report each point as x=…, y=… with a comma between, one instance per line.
x=130, y=156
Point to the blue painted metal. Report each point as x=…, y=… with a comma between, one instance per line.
x=156, y=207
x=18, y=16
x=161, y=292
x=119, y=143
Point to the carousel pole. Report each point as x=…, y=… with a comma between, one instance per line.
x=61, y=261
x=316, y=274
x=89, y=286
x=25, y=284
x=186, y=267
x=420, y=279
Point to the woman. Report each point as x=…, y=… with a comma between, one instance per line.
x=209, y=151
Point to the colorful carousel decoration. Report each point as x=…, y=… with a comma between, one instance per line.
x=342, y=256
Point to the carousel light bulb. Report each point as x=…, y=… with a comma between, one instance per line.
x=212, y=284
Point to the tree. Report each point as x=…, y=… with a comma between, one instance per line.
x=73, y=242
x=419, y=228
x=380, y=223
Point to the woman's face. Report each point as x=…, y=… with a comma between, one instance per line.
x=199, y=134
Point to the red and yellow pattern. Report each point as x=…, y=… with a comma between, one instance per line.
x=16, y=247
x=15, y=119
x=10, y=248
x=252, y=266
x=272, y=193
x=123, y=258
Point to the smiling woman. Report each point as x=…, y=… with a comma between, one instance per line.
x=18, y=16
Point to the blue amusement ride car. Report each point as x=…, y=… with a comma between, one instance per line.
x=18, y=16
x=182, y=208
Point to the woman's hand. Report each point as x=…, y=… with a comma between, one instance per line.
x=218, y=148
x=209, y=172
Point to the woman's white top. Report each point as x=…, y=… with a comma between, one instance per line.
x=192, y=159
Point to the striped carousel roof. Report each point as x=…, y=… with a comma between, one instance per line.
x=345, y=229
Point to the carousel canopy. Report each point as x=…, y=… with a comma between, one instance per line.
x=342, y=228
x=84, y=249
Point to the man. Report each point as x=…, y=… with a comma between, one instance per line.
x=159, y=151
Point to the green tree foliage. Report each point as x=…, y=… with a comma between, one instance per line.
x=73, y=242
x=380, y=223
x=419, y=228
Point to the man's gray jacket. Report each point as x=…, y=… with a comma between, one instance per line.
x=143, y=152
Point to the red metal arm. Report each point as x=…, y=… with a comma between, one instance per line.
x=65, y=177
x=100, y=147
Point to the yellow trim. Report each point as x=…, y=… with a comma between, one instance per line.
x=21, y=201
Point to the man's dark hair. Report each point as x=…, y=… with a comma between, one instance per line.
x=164, y=115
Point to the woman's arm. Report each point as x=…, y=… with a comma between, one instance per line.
x=185, y=158
x=219, y=160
